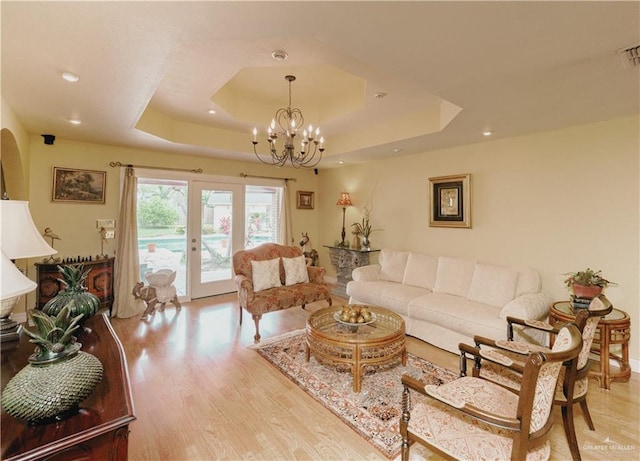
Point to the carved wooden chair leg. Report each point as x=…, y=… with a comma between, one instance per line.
x=161, y=307
x=586, y=414
x=570, y=431
x=256, y=320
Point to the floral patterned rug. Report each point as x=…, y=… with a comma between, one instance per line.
x=373, y=413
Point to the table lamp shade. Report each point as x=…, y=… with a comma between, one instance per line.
x=12, y=281
x=19, y=237
x=344, y=200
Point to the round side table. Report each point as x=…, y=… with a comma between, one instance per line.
x=613, y=330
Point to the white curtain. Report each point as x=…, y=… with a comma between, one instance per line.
x=127, y=268
x=286, y=229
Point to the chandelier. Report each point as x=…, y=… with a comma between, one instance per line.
x=286, y=125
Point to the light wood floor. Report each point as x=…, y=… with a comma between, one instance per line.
x=201, y=394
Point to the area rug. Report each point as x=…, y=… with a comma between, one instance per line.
x=373, y=413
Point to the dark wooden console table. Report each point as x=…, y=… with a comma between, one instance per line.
x=345, y=260
x=99, y=282
x=100, y=429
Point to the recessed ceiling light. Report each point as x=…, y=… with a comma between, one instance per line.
x=69, y=77
x=340, y=162
x=380, y=95
x=280, y=55
x=75, y=121
x=487, y=133
x=212, y=111
x=397, y=149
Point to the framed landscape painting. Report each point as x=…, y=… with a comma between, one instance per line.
x=80, y=186
x=450, y=201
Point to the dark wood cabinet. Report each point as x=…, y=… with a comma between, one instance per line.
x=99, y=282
x=99, y=430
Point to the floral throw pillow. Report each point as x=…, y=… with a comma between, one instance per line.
x=266, y=274
x=295, y=270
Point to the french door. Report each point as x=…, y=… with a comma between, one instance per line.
x=194, y=225
x=216, y=230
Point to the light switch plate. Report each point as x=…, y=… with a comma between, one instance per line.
x=106, y=223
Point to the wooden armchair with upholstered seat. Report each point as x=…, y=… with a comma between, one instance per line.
x=473, y=418
x=573, y=383
x=272, y=277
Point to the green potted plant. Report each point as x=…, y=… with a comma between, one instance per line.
x=586, y=283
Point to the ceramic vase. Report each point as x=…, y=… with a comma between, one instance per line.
x=45, y=391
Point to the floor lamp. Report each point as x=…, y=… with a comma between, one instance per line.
x=19, y=239
x=344, y=201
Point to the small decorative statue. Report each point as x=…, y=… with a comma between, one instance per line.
x=310, y=255
x=48, y=233
x=160, y=290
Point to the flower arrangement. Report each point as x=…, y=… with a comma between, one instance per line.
x=363, y=228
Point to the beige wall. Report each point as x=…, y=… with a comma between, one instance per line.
x=557, y=201
x=76, y=223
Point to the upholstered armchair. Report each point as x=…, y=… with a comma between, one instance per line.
x=573, y=383
x=272, y=277
x=473, y=418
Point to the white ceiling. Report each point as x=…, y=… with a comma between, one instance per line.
x=151, y=70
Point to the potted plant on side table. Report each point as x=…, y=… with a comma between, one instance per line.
x=585, y=285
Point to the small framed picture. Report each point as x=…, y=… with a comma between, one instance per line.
x=84, y=186
x=305, y=200
x=450, y=201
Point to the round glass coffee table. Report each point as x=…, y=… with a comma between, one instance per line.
x=333, y=343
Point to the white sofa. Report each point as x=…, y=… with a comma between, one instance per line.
x=446, y=301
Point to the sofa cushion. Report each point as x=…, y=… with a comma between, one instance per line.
x=492, y=284
x=421, y=271
x=458, y=314
x=392, y=265
x=528, y=281
x=266, y=274
x=454, y=276
x=295, y=270
x=391, y=295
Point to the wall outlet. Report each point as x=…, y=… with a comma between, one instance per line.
x=106, y=223
x=110, y=234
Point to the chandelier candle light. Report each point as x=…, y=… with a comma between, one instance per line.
x=286, y=124
x=344, y=201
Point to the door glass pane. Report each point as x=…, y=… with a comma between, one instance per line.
x=216, y=235
x=162, y=223
x=262, y=215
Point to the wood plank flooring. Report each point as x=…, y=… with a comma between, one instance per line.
x=201, y=394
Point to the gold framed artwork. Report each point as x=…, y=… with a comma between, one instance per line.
x=80, y=186
x=450, y=201
x=304, y=200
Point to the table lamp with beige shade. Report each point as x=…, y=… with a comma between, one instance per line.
x=19, y=239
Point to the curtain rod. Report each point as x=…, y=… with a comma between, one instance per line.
x=244, y=175
x=129, y=165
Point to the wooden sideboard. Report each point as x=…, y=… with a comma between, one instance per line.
x=345, y=260
x=99, y=282
x=100, y=428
